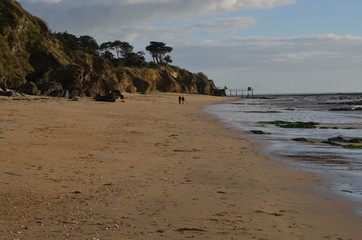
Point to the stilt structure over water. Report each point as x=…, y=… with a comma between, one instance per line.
x=247, y=92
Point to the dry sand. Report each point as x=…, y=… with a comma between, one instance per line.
x=149, y=168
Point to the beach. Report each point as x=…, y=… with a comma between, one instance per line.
x=151, y=168
x=313, y=141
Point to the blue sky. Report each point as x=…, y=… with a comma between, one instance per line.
x=277, y=46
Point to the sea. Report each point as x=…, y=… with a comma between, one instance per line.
x=331, y=149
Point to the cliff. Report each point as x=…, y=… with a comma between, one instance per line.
x=31, y=56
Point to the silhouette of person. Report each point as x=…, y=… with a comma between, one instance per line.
x=179, y=99
x=182, y=99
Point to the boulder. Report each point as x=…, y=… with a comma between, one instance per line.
x=112, y=96
x=29, y=88
x=5, y=93
x=78, y=99
x=48, y=88
x=59, y=93
x=3, y=85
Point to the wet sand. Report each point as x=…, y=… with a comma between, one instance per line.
x=150, y=168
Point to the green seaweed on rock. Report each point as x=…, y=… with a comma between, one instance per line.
x=303, y=140
x=338, y=141
x=262, y=112
x=284, y=124
x=258, y=132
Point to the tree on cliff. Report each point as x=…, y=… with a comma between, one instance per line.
x=125, y=55
x=85, y=43
x=68, y=39
x=105, y=47
x=159, y=52
x=88, y=44
x=108, y=54
x=122, y=48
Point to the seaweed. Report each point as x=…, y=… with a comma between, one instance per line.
x=258, y=132
x=277, y=122
x=303, y=140
x=345, y=140
x=262, y=111
x=299, y=125
x=285, y=124
x=346, y=128
x=352, y=146
x=336, y=141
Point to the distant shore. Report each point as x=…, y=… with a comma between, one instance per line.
x=150, y=168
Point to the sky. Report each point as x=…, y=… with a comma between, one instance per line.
x=273, y=46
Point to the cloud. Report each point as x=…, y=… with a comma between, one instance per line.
x=325, y=51
x=319, y=63
x=46, y=1
x=207, y=5
x=225, y=25
x=230, y=5
x=183, y=33
x=101, y=17
x=215, y=46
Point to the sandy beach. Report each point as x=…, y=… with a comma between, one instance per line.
x=150, y=168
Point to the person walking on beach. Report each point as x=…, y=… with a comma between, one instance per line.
x=182, y=100
x=179, y=99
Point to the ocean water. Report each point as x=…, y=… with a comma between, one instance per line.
x=341, y=167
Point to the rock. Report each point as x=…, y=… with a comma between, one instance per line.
x=219, y=92
x=29, y=88
x=30, y=52
x=141, y=84
x=112, y=96
x=3, y=85
x=5, y=93
x=10, y=93
x=342, y=109
x=59, y=93
x=78, y=99
x=73, y=93
x=49, y=88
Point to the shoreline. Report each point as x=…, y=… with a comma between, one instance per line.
x=150, y=168
x=336, y=166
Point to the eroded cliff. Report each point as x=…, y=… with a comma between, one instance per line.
x=30, y=53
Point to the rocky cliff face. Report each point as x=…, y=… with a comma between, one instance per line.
x=31, y=54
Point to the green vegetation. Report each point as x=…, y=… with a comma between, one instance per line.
x=285, y=124
x=262, y=112
x=346, y=128
x=124, y=51
x=303, y=140
x=299, y=125
x=329, y=128
x=338, y=141
x=274, y=122
x=258, y=132
x=159, y=52
x=341, y=139
x=30, y=52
